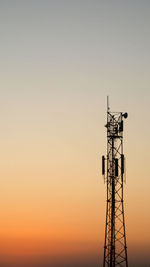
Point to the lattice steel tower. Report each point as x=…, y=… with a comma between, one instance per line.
x=115, y=248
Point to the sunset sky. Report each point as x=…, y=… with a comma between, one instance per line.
x=59, y=59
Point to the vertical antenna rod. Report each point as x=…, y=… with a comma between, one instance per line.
x=107, y=103
x=115, y=248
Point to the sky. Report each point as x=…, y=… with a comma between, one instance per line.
x=59, y=59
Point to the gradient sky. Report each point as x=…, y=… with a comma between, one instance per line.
x=59, y=59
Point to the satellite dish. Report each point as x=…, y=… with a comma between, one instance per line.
x=125, y=115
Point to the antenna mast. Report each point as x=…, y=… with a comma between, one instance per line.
x=115, y=248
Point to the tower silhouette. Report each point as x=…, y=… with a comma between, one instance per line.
x=115, y=248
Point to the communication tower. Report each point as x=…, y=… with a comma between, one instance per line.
x=115, y=248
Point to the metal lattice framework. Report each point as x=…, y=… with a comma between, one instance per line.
x=115, y=249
